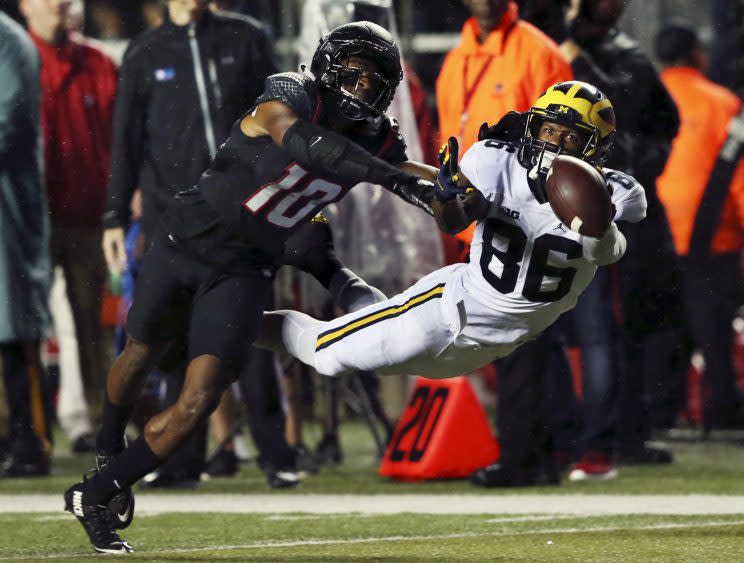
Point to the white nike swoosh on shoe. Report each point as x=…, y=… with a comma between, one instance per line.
x=124, y=516
x=288, y=476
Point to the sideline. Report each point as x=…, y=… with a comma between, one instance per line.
x=580, y=505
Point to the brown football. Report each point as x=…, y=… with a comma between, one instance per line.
x=579, y=196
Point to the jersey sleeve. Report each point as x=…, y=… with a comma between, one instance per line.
x=606, y=250
x=293, y=89
x=628, y=196
x=483, y=165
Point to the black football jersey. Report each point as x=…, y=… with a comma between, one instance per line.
x=257, y=192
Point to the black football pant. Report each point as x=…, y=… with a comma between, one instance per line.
x=524, y=431
x=29, y=408
x=713, y=291
x=261, y=394
x=655, y=361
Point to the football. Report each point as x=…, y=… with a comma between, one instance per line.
x=579, y=195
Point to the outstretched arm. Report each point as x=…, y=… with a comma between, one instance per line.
x=323, y=151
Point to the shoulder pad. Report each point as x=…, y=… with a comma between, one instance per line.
x=292, y=88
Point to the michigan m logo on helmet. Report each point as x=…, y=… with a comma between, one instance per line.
x=358, y=93
x=573, y=104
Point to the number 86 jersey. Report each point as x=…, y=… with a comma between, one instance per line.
x=526, y=267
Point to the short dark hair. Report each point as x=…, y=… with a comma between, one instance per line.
x=675, y=41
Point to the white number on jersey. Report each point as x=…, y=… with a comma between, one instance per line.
x=514, y=255
x=293, y=206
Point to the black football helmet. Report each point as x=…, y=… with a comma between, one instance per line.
x=367, y=41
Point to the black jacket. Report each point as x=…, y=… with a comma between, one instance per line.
x=174, y=110
x=647, y=117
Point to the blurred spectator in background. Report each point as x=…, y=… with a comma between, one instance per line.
x=24, y=256
x=182, y=86
x=152, y=13
x=501, y=64
x=727, y=48
x=649, y=283
x=172, y=109
x=387, y=242
x=78, y=83
x=585, y=428
x=702, y=189
x=107, y=21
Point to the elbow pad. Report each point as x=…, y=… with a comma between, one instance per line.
x=326, y=152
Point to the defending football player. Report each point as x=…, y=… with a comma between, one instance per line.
x=525, y=268
x=303, y=145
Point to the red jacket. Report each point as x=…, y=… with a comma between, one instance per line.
x=78, y=83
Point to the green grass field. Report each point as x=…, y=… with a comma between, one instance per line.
x=391, y=538
x=701, y=468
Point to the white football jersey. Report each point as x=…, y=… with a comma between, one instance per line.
x=525, y=265
x=525, y=269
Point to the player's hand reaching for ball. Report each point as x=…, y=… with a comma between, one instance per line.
x=450, y=181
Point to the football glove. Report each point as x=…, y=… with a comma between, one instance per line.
x=449, y=177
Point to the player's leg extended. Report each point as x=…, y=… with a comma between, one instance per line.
x=123, y=387
x=159, y=308
x=204, y=385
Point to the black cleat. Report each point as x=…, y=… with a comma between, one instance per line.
x=328, y=451
x=97, y=521
x=304, y=461
x=25, y=458
x=223, y=464
x=497, y=476
x=122, y=503
x=13, y=467
x=286, y=479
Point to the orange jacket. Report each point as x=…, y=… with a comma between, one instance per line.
x=482, y=82
x=705, y=109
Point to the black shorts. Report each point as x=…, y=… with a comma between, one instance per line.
x=214, y=296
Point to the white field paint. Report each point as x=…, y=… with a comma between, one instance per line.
x=580, y=505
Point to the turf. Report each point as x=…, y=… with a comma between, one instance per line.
x=701, y=468
x=390, y=538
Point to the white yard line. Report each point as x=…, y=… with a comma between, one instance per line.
x=583, y=505
x=352, y=541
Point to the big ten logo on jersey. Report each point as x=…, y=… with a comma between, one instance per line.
x=513, y=213
x=443, y=433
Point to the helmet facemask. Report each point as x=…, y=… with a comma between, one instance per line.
x=358, y=92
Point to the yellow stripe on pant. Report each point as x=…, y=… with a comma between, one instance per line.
x=332, y=336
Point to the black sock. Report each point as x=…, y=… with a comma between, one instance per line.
x=110, y=439
x=129, y=467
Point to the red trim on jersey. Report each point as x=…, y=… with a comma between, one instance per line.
x=388, y=142
x=316, y=116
